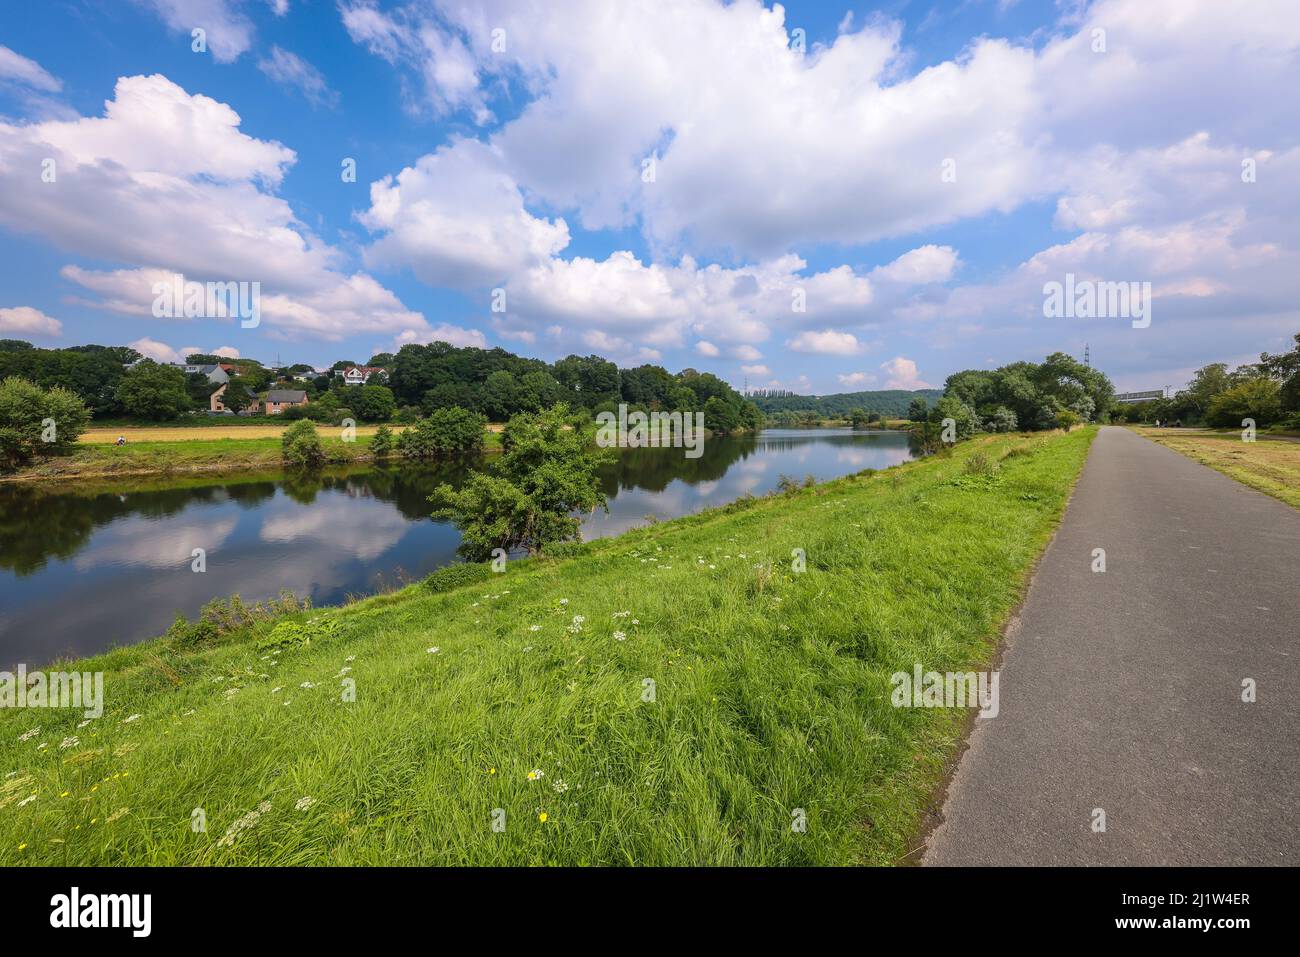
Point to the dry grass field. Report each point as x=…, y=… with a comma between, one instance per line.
x=1270, y=465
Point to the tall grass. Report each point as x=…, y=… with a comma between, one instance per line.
x=525, y=693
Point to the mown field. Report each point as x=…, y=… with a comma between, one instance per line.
x=1271, y=465
x=676, y=695
x=194, y=450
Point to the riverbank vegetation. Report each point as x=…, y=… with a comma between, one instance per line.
x=681, y=694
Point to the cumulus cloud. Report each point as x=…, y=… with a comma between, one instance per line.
x=827, y=341
x=126, y=192
x=229, y=33
x=159, y=351
x=901, y=373
x=27, y=321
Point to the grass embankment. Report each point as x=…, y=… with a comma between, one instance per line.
x=771, y=694
x=1270, y=465
x=191, y=450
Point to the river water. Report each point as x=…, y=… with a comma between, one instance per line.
x=85, y=569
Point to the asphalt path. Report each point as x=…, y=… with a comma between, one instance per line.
x=1121, y=691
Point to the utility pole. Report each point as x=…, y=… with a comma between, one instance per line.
x=1087, y=358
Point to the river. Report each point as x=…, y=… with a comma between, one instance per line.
x=84, y=570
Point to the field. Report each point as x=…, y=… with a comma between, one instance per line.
x=1270, y=465
x=102, y=435
x=679, y=695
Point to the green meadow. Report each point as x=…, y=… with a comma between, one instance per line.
x=683, y=694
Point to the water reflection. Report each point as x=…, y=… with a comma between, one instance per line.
x=81, y=571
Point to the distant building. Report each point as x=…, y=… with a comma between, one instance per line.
x=361, y=375
x=215, y=373
x=277, y=400
x=214, y=401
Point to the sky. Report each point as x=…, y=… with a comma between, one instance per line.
x=819, y=197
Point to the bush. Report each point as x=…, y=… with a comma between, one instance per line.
x=1001, y=419
x=223, y=616
x=979, y=464
x=36, y=422
x=1065, y=419
x=381, y=444
x=299, y=634
x=449, y=431
x=300, y=446
x=153, y=391
x=457, y=576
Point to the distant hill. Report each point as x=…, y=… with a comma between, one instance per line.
x=888, y=402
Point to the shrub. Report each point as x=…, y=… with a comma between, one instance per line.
x=448, y=431
x=300, y=446
x=457, y=576
x=36, y=422
x=223, y=616
x=1256, y=399
x=381, y=444
x=1001, y=419
x=1065, y=419
x=979, y=464
x=285, y=635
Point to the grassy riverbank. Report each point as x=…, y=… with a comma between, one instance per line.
x=214, y=450
x=1271, y=465
x=770, y=695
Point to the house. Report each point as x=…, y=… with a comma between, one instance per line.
x=277, y=400
x=360, y=375
x=215, y=373
x=214, y=401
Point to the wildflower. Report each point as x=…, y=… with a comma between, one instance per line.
x=559, y=787
x=230, y=693
x=28, y=800
x=536, y=774
x=579, y=619
x=636, y=621
x=134, y=717
x=306, y=684
x=619, y=636
x=304, y=802
x=534, y=627
x=242, y=824
x=492, y=770
x=564, y=601
x=70, y=742
x=434, y=650
x=186, y=714
x=350, y=658
x=542, y=817
x=22, y=847
x=620, y=614
x=84, y=723
x=28, y=735
x=277, y=690
x=343, y=671
x=65, y=794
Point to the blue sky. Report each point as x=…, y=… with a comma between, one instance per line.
x=800, y=229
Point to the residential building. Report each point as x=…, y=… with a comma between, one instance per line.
x=277, y=400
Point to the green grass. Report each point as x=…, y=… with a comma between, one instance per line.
x=771, y=687
x=226, y=456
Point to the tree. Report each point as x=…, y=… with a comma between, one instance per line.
x=1285, y=367
x=918, y=410
x=965, y=421
x=300, y=446
x=37, y=422
x=450, y=431
x=372, y=403
x=1001, y=419
x=381, y=443
x=236, y=398
x=1257, y=399
x=153, y=391
x=547, y=472
x=860, y=418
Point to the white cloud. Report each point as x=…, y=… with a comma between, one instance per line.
x=827, y=341
x=159, y=351
x=856, y=380
x=756, y=370
x=229, y=33
x=707, y=349
x=19, y=69
x=25, y=320
x=453, y=335
x=293, y=71
x=128, y=191
x=926, y=264
x=901, y=373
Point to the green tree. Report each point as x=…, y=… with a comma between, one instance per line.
x=1285, y=367
x=528, y=498
x=153, y=391
x=372, y=403
x=860, y=418
x=450, y=431
x=1257, y=399
x=236, y=398
x=300, y=446
x=381, y=443
x=37, y=422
